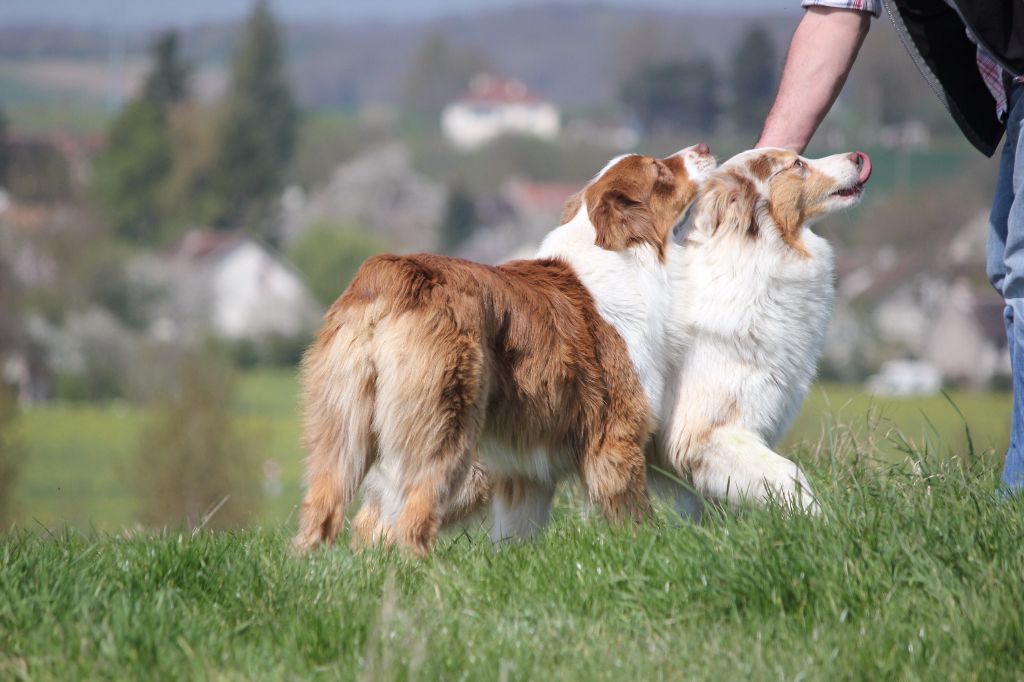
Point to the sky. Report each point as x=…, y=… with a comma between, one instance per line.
x=154, y=13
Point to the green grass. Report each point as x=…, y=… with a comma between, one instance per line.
x=912, y=572
x=79, y=464
x=938, y=423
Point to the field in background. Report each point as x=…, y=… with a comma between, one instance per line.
x=940, y=423
x=912, y=572
x=79, y=466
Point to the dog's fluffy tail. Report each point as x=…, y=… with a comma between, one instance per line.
x=338, y=378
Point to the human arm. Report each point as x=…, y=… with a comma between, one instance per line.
x=819, y=59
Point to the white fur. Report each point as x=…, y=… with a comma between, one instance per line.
x=526, y=517
x=754, y=314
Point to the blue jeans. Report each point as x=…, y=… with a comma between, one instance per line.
x=1006, y=272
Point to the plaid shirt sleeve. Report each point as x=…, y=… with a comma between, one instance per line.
x=872, y=6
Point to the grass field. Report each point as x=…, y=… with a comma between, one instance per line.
x=911, y=572
x=78, y=470
x=915, y=570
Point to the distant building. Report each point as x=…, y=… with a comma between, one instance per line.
x=233, y=287
x=494, y=107
x=906, y=378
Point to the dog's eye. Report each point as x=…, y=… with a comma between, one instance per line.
x=798, y=164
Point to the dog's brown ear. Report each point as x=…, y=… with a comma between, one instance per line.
x=621, y=221
x=786, y=205
x=571, y=207
x=728, y=202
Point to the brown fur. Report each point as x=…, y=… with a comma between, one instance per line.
x=765, y=164
x=521, y=344
x=637, y=201
x=571, y=208
x=795, y=199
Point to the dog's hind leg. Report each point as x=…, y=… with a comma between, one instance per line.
x=339, y=384
x=429, y=415
x=521, y=508
x=429, y=490
x=367, y=527
x=472, y=496
x=371, y=527
x=615, y=478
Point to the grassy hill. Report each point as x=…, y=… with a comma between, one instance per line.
x=79, y=462
x=910, y=573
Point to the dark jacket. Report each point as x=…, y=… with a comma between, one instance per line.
x=933, y=33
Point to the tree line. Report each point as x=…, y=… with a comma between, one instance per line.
x=170, y=162
x=662, y=91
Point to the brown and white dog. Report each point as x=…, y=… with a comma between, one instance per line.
x=423, y=355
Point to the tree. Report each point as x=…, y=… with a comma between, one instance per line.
x=193, y=464
x=887, y=89
x=132, y=170
x=459, y=218
x=12, y=337
x=754, y=79
x=4, y=151
x=167, y=83
x=646, y=43
x=438, y=74
x=674, y=95
x=37, y=172
x=257, y=131
x=11, y=453
x=328, y=256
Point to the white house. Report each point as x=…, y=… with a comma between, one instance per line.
x=905, y=378
x=235, y=288
x=494, y=107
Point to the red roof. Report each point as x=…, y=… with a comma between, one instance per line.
x=541, y=196
x=68, y=143
x=27, y=217
x=199, y=245
x=485, y=89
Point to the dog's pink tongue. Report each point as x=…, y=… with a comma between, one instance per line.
x=865, y=167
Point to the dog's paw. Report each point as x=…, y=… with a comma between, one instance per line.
x=786, y=483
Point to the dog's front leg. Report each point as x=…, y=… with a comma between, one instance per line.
x=733, y=465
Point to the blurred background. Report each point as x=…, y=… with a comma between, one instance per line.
x=185, y=187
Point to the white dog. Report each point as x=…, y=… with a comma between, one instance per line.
x=753, y=292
